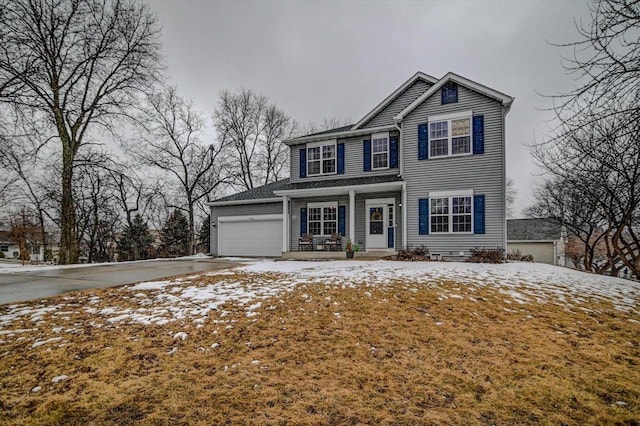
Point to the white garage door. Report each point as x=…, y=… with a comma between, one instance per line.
x=259, y=235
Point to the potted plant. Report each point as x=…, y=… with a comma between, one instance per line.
x=349, y=247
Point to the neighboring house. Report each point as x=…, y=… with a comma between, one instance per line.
x=10, y=249
x=426, y=167
x=544, y=239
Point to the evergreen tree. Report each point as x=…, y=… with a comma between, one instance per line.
x=175, y=235
x=135, y=242
x=205, y=235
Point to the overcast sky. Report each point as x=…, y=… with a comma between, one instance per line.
x=318, y=59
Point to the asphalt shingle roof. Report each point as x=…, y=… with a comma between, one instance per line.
x=266, y=191
x=336, y=130
x=327, y=183
x=533, y=230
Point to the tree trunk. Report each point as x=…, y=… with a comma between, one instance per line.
x=68, y=235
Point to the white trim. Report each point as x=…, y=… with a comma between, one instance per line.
x=531, y=241
x=450, y=116
x=442, y=194
x=352, y=216
x=382, y=135
x=321, y=145
x=322, y=206
x=342, y=190
x=404, y=215
x=250, y=218
x=240, y=202
x=505, y=99
x=337, y=135
x=285, y=224
x=379, y=201
x=385, y=221
x=393, y=96
x=449, y=196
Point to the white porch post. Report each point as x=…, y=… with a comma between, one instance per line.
x=404, y=215
x=352, y=216
x=285, y=224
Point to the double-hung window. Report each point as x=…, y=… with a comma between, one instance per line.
x=451, y=214
x=450, y=135
x=380, y=151
x=321, y=158
x=322, y=218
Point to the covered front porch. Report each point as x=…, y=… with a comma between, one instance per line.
x=369, y=216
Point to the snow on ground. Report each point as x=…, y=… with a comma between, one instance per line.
x=248, y=287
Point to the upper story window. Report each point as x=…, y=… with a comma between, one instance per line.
x=380, y=151
x=321, y=158
x=450, y=135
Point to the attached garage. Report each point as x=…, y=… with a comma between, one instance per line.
x=255, y=235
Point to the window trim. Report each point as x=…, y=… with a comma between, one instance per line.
x=321, y=206
x=375, y=136
x=449, y=118
x=450, y=195
x=320, y=144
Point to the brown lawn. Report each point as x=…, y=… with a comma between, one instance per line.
x=398, y=355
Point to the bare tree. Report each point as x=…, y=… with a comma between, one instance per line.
x=76, y=64
x=171, y=144
x=253, y=129
x=595, y=146
x=510, y=196
x=328, y=123
x=606, y=63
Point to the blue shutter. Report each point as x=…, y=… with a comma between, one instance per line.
x=423, y=216
x=478, y=134
x=366, y=155
x=478, y=214
x=393, y=152
x=449, y=93
x=340, y=158
x=390, y=237
x=303, y=221
x=423, y=141
x=303, y=162
x=342, y=210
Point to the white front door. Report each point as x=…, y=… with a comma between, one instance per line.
x=378, y=223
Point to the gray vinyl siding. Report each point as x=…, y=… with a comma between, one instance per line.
x=385, y=117
x=353, y=161
x=240, y=210
x=360, y=237
x=484, y=174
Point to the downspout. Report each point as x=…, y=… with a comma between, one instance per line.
x=404, y=184
x=505, y=109
x=400, y=145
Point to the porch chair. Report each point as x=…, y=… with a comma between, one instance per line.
x=306, y=240
x=334, y=242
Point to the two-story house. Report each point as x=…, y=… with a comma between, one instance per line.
x=426, y=167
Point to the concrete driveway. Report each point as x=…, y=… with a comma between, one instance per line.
x=23, y=286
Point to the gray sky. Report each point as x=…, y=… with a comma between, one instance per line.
x=319, y=59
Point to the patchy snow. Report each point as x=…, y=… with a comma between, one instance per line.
x=245, y=289
x=60, y=378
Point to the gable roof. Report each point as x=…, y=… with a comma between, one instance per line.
x=393, y=96
x=327, y=132
x=480, y=88
x=263, y=192
x=538, y=229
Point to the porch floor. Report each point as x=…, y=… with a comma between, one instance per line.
x=333, y=255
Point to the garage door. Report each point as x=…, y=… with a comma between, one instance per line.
x=259, y=235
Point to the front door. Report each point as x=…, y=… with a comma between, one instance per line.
x=379, y=223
